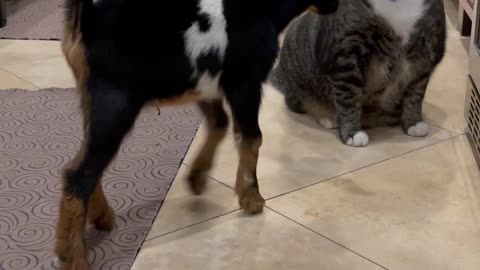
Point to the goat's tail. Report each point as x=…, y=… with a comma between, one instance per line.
x=80, y=16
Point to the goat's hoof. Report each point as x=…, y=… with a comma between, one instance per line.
x=197, y=181
x=80, y=264
x=62, y=250
x=106, y=221
x=65, y=265
x=75, y=263
x=251, y=201
x=69, y=260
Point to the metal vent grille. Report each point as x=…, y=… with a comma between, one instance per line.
x=473, y=118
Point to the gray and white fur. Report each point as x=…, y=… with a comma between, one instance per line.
x=367, y=65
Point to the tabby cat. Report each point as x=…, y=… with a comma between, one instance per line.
x=366, y=65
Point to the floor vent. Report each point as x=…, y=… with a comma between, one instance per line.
x=473, y=119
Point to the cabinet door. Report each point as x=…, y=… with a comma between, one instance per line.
x=475, y=45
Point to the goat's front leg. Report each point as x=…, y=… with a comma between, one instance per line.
x=108, y=115
x=217, y=123
x=245, y=104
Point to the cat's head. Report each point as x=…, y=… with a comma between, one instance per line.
x=321, y=6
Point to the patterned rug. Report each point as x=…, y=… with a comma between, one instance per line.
x=40, y=132
x=34, y=19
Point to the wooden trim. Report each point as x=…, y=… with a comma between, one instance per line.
x=465, y=14
x=467, y=6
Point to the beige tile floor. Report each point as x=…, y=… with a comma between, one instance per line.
x=401, y=203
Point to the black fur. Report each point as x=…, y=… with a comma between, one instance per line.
x=136, y=53
x=204, y=22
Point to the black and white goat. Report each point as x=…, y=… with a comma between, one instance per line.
x=127, y=53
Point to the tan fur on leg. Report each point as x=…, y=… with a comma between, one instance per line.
x=203, y=162
x=70, y=246
x=99, y=212
x=70, y=232
x=246, y=185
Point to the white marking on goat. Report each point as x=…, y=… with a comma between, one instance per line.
x=249, y=181
x=209, y=86
x=198, y=43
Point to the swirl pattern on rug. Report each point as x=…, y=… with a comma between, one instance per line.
x=40, y=133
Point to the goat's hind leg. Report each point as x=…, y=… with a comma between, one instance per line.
x=217, y=123
x=108, y=115
x=99, y=213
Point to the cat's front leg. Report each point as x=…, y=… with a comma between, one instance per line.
x=347, y=97
x=350, y=126
x=347, y=85
x=411, y=118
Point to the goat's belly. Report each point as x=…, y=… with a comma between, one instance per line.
x=208, y=87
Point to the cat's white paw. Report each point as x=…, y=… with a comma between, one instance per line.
x=358, y=140
x=327, y=123
x=418, y=130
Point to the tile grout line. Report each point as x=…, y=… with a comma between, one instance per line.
x=200, y=222
x=326, y=238
x=282, y=215
x=455, y=135
x=192, y=225
x=213, y=178
x=294, y=221
x=20, y=78
x=305, y=187
x=364, y=167
x=445, y=129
